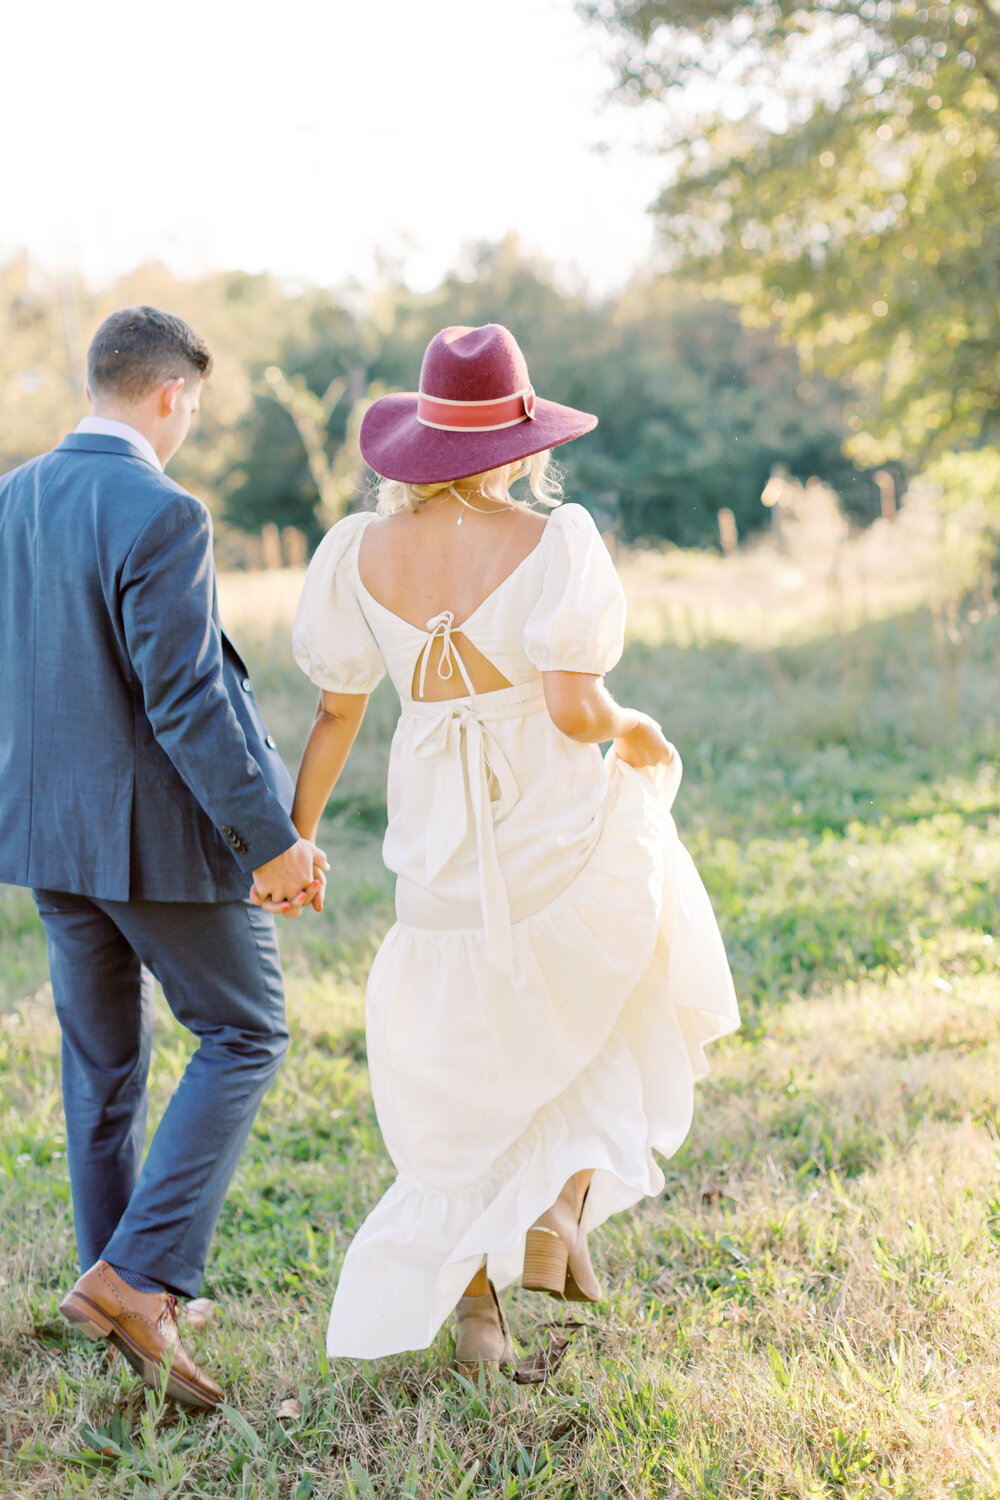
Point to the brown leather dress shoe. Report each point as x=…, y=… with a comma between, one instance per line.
x=143, y=1325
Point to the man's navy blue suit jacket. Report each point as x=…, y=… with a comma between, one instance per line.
x=134, y=762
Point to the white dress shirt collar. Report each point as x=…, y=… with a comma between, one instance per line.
x=108, y=427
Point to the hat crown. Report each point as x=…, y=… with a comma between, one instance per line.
x=473, y=364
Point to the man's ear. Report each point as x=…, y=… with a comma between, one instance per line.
x=169, y=391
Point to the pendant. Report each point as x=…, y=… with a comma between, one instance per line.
x=460, y=519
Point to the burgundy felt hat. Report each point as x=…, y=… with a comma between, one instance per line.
x=475, y=410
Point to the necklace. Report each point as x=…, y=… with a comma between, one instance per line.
x=452, y=493
x=501, y=510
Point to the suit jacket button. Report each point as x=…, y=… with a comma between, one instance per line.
x=245, y=684
x=270, y=742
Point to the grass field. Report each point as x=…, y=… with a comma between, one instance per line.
x=813, y=1307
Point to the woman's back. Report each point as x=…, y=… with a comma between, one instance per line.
x=418, y=564
x=481, y=782
x=547, y=600
x=447, y=558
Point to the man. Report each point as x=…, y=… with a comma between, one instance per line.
x=139, y=794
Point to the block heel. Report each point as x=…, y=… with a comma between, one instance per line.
x=85, y=1316
x=556, y=1257
x=546, y=1256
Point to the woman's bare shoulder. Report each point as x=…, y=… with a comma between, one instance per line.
x=383, y=532
x=533, y=523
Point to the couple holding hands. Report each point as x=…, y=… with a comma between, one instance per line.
x=536, y=1016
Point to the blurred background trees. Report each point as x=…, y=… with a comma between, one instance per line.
x=835, y=170
x=695, y=408
x=826, y=300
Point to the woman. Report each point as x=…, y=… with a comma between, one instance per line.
x=537, y=1014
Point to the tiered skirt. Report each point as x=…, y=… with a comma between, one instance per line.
x=493, y=1084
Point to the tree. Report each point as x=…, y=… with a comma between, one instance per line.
x=300, y=465
x=844, y=182
x=694, y=409
x=698, y=412
x=41, y=359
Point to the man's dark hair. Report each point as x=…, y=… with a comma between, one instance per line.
x=138, y=348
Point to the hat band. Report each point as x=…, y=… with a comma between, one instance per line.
x=476, y=416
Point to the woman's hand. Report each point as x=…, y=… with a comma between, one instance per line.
x=644, y=744
x=581, y=707
x=312, y=895
x=321, y=868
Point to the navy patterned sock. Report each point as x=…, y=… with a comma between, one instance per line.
x=136, y=1280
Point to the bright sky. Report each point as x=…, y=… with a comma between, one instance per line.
x=305, y=136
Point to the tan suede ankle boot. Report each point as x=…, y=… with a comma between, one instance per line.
x=483, y=1336
x=556, y=1254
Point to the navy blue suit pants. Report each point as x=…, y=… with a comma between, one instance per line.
x=220, y=971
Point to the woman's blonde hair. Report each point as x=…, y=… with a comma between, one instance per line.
x=542, y=474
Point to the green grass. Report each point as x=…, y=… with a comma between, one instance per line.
x=812, y=1309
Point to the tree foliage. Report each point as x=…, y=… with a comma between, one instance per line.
x=844, y=180
x=694, y=408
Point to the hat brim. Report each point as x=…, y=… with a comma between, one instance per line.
x=398, y=446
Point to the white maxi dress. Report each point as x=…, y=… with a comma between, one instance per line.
x=543, y=1001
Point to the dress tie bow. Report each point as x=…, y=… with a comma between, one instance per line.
x=441, y=627
x=473, y=771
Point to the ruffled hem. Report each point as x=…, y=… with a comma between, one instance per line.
x=587, y=1060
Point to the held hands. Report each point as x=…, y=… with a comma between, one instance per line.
x=644, y=744
x=292, y=881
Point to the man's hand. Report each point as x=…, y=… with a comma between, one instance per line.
x=295, y=879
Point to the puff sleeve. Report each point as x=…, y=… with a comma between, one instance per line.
x=578, y=623
x=331, y=639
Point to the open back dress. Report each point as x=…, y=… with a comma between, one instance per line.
x=542, y=1003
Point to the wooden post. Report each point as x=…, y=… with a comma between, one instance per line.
x=270, y=546
x=295, y=547
x=887, y=493
x=727, y=531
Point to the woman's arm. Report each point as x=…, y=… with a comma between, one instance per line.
x=338, y=719
x=581, y=707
